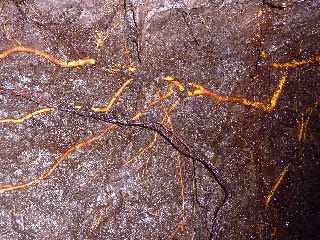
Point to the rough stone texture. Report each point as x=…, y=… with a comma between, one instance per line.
x=95, y=193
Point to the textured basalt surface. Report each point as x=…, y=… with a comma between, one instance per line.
x=140, y=182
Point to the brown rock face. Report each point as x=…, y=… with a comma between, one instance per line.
x=159, y=119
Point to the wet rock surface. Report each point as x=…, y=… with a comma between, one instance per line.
x=133, y=147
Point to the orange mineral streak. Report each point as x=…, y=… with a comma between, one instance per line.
x=267, y=107
x=73, y=148
x=113, y=99
x=57, y=163
x=166, y=119
x=302, y=128
x=182, y=224
x=29, y=116
x=143, y=150
x=48, y=56
x=304, y=121
x=101, y=37
x=175, y=82
x=168, y=94
x=153, y=141
x=180, y=160
x=99, y=219
x=295, y=63
x=264, y=55
x=155, y=137
x=131, y=67
x=180, y=227
x=26, y=117
x=275, y=187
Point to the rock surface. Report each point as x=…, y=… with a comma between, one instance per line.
x=133, y=148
